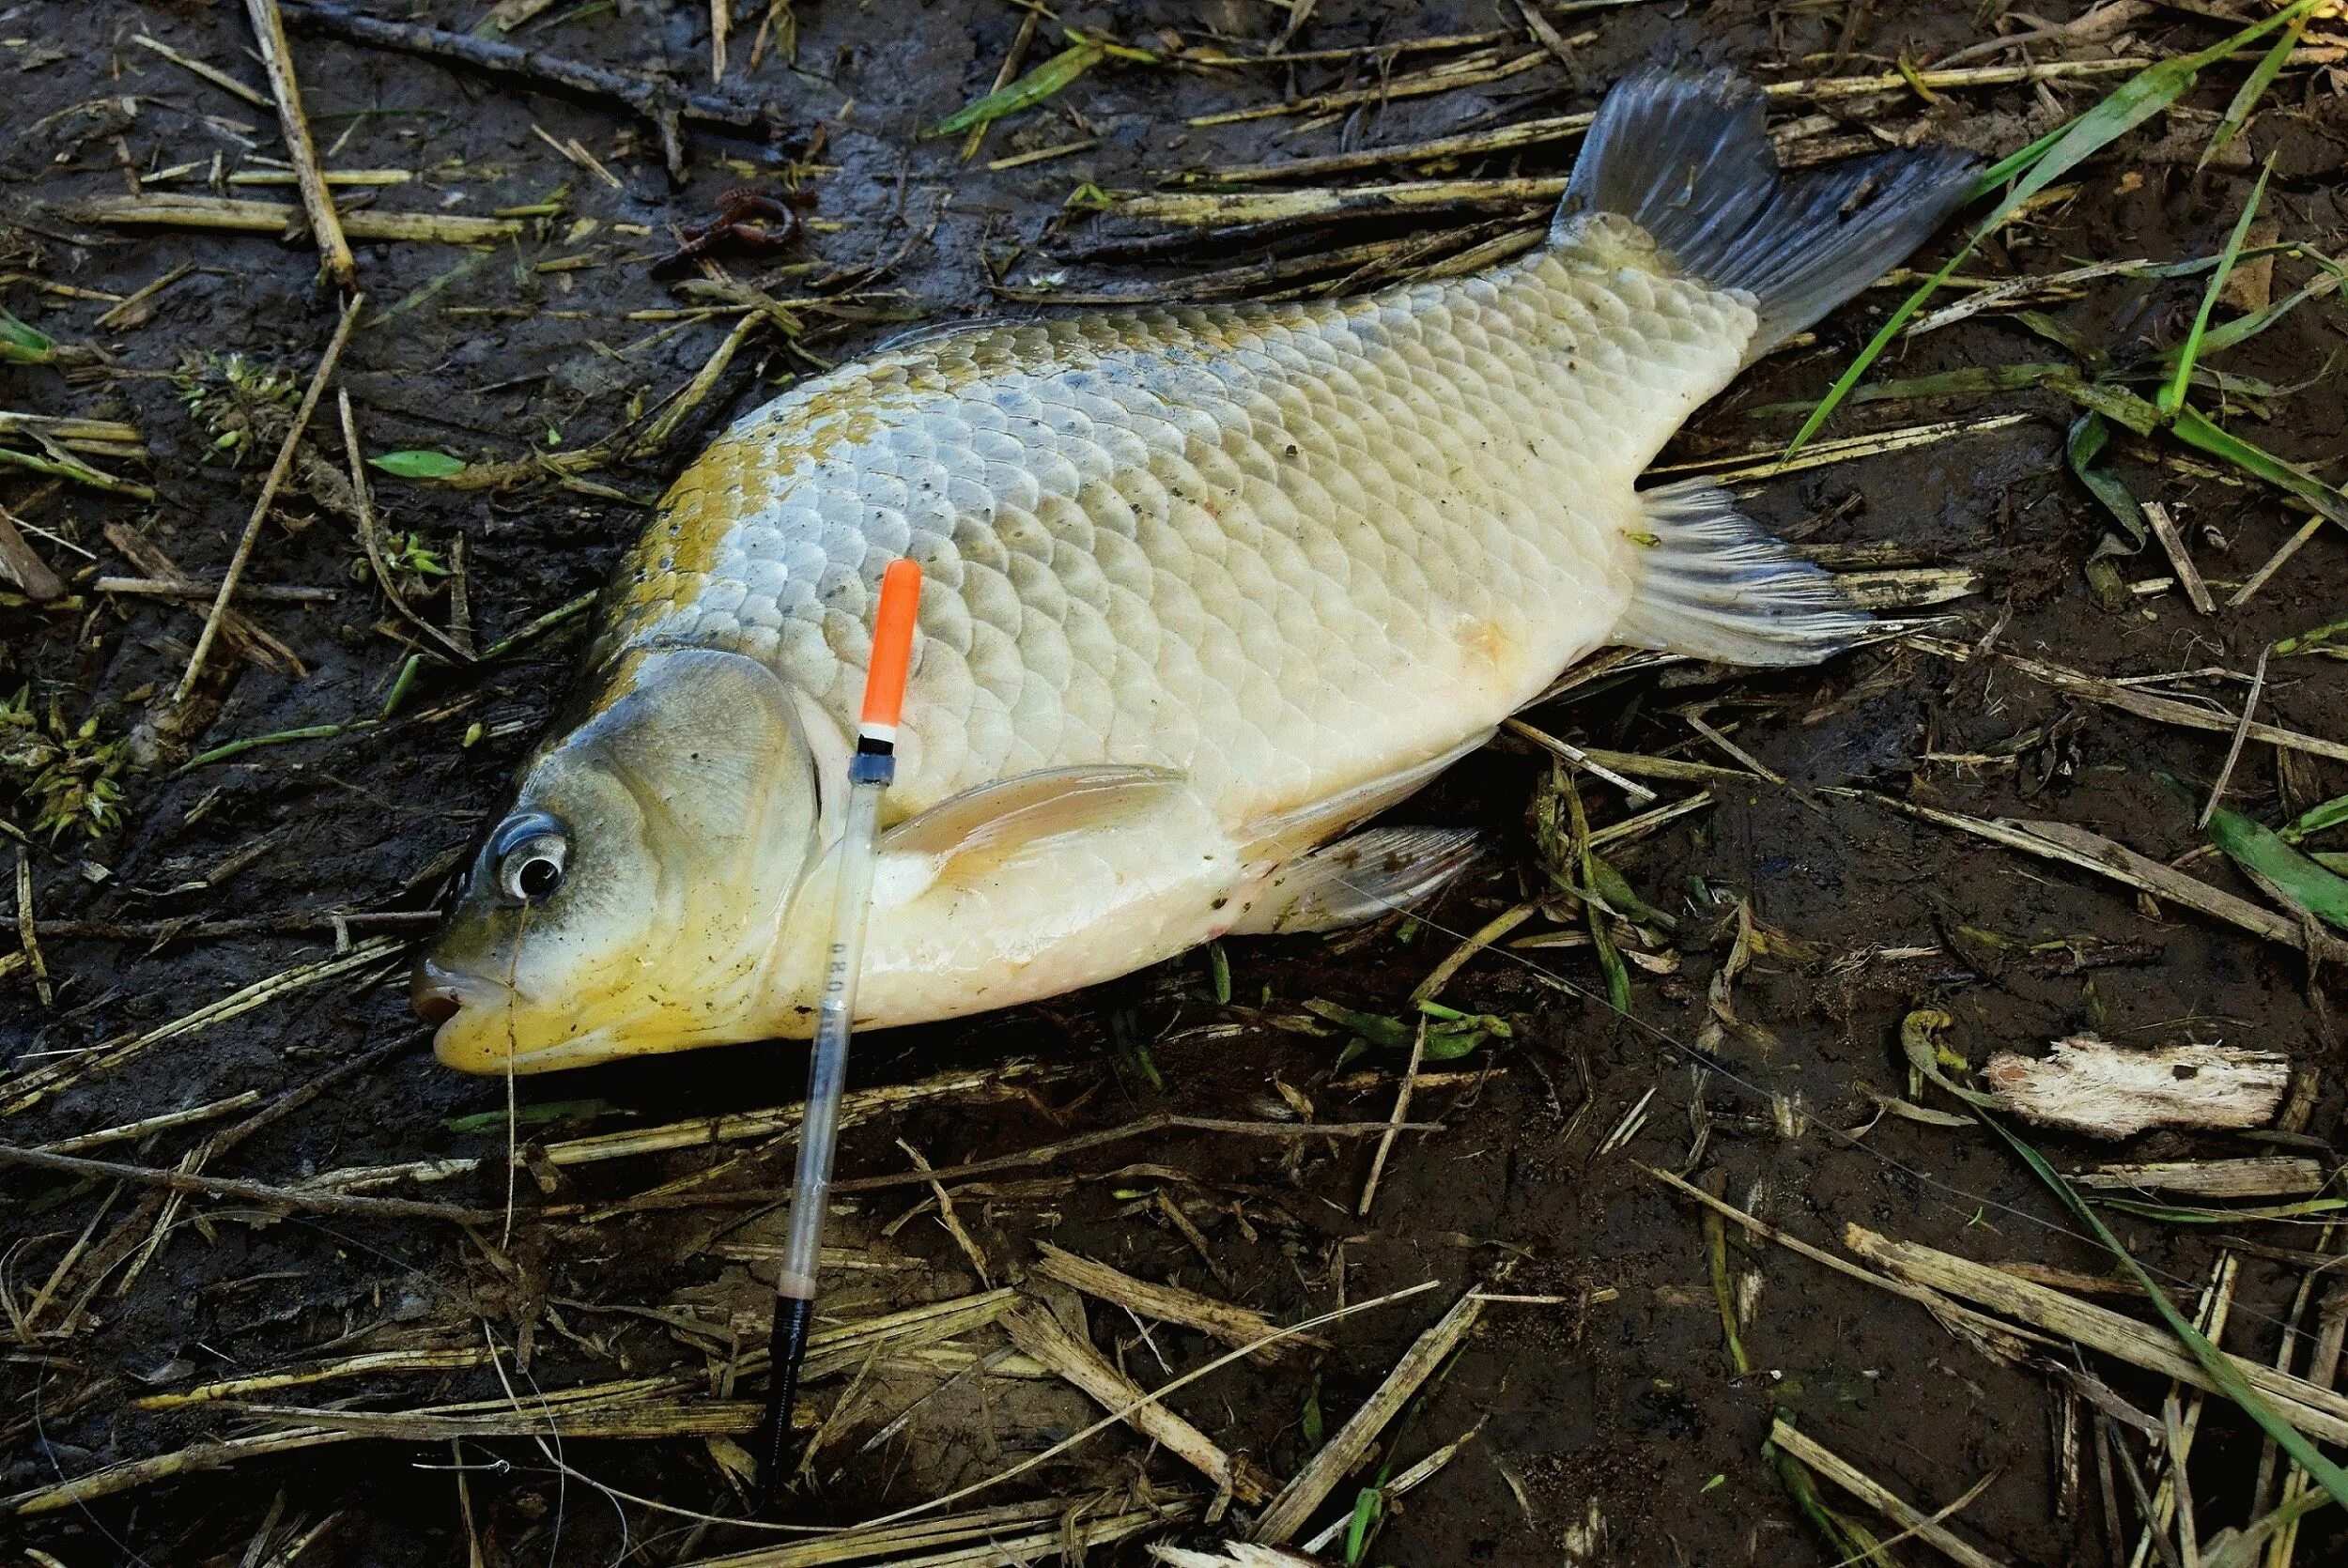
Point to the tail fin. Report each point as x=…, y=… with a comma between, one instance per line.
x=1684, y=158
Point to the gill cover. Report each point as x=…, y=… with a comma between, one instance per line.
x=627, y=900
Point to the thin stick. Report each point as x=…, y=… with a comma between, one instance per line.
x=27, y=933
x=2188, y=576
x=269, y=29
x=269, y=495
x=370, y=533
x=248, y=1191
x=1041, y=1336
x=2241, y=734
x=655, y=100
x=1394, y=1127
x=213, y=75
x=1114, y=1417
x=1310, y=1486
x=720, y=22
x=1484, y=935
x=2274, y=563
x=1875, y=1495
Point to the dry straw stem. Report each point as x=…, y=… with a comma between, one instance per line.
x=1955, y=1315
x=146, y=1125
x=1068, y=1534
x=1040, y=1335
x=29, y=1089
x=370, y=1366
x=2264, y=1175
x=207, y=1456
x=2322, y=1413
x=1416, y=1475
x=1558, y=127
x=899, y=1541
x=248, y=1191
x=1401, y=1111
x=173, y=587
x=238, y=631
x=1818, y=455
x=1012, y=1079
x=213, y=75
x=1913, y=1521
x=2164, y=529
x=2091, y=851
x=370, y=533
x=171, y=210
x=2163, y=710
x=269, y=31
x=1471, y=71
x=1223, y=1320
x=269, y=495
x=1310, y=1486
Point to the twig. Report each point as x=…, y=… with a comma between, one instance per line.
x=2091, y=851
x=2241, y=734
x=172, y=209
x=2320, y=1412
x=1923, y=1526
x=146, y=1125
x=269, y=494
x=27, y=1089
x=1484, y=936
x=947, y=1216
x=370, y=533
x=2188, y=576
x=213, y=75
x=1393, y=1126
x=247, y=1191
x=176, y=588
x=2274, y=563
x=656, y=100
x=1310, y=1486
x=1231, y=1324
x=27, y=934
x=1041, y=1335
x=268, y=30
x=1640, y=794
x=1317, y=1321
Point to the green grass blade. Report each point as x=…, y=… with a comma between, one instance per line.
x=1026, y=93
x=2136, y=101
x=2313, y=639
x=1967, y=382
x=21, y=345
x=2262, y=852
x=2242, y=328
x=2246, y=99
x=2087, y=438
x=2221, y=1370
x=2173, y=396
x=2195, y=430
x=2315, y=820
x=2170, y=1214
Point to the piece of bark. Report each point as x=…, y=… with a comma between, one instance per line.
x=2108, y=1091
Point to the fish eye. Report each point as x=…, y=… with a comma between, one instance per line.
x=531, y=850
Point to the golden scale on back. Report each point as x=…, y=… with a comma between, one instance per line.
x=1208, y=589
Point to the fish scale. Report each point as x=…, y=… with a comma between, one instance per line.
x=1286, y=549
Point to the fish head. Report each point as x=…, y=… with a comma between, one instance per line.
x=627, y=903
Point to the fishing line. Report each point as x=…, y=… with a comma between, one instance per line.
x=1698, y=1056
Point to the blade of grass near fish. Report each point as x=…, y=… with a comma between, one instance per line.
x=2254, y=87
x=2268, y=860
x=2039, y=165
x=2315, y=820
x=1026, y=93
x=2171, y=396
x=2213, y=1361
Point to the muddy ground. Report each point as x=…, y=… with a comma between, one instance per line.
x=1617, y=1403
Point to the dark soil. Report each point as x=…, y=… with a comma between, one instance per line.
x=1622, y=1404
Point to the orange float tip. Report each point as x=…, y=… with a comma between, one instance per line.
x=892, y=650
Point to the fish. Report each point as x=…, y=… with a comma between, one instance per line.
x=1208, y=589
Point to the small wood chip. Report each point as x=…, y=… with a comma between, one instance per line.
x=2108, y=1091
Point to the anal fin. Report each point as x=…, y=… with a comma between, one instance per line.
x=1714, y=585
x=1357, y=879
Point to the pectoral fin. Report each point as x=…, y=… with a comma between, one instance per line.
x=956, y=836
x=1357, y=879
